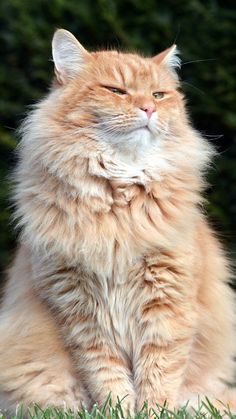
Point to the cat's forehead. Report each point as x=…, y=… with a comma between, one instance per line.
x=130, y=70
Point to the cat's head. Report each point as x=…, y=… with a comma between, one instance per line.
x=123, y=99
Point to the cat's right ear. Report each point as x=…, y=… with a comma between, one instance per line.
x=69, y=55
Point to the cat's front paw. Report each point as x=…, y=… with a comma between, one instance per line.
x=128, y=406
x=125, y=404
x=154, y=403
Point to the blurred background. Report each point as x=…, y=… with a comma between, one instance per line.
x=205, y=32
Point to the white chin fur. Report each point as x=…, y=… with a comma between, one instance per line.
x=140, y=137
x=137, y=143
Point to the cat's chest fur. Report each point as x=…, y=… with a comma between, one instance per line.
x=106, y=215
x=122, y=214
x=119, y=228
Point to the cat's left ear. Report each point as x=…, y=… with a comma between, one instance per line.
x=69, y=55
x=169, y=58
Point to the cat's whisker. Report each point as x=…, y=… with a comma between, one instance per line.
x=198, y=61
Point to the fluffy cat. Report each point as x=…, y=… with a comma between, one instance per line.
x=119, y=284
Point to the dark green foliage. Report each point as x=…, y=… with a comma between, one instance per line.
x=205, y=33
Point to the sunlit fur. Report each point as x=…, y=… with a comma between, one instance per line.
x=119, y=284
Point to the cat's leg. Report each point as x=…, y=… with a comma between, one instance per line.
x=100, y=361
x=106, y=371
x=89, y=334
x=167, y=320
x=35, y=367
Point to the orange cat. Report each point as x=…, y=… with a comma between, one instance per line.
x=119, y=284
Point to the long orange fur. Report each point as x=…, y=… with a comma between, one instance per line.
x=119, y=284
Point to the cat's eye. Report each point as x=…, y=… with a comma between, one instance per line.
x=116, y=90
x=158, y=95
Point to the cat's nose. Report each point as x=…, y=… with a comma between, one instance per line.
x=149, y=109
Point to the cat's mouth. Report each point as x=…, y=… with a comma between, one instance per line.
x=143, y=128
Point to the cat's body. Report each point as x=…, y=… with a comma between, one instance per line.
x=118, y=277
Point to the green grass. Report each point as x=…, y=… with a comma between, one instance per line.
x=205, y=410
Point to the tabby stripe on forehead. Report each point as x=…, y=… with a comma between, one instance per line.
x=128, y=72
x=118, y=76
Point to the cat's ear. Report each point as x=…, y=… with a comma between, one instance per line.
x=69, y=55
x=170, y=58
